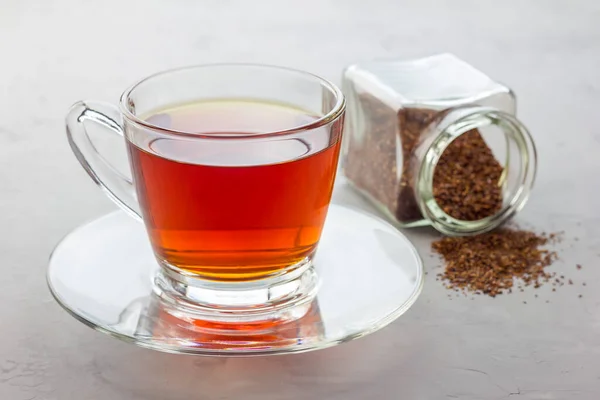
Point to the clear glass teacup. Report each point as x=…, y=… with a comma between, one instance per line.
x=233, y=168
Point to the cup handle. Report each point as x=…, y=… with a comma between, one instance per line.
x=118, y=187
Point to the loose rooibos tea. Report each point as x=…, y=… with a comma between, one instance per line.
x=489, y=263
x=466, y=179
x=435, y=141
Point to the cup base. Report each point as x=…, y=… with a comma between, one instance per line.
x=277, y=299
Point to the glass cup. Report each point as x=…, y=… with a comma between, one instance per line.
x=233, y=168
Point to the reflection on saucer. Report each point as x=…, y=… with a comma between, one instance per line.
x=185, y=330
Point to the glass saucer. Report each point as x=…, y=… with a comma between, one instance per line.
x=369, y=274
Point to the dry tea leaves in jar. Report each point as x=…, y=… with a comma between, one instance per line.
x=435, y=141
x=467, y=179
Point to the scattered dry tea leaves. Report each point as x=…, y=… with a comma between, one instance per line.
x=490, y=263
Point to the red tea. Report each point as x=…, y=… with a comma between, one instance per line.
x=235, y=209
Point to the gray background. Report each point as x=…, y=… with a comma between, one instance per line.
x=54, y=52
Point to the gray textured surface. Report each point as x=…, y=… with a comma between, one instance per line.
x=57, y=51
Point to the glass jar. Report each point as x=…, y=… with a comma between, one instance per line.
x=402, y=116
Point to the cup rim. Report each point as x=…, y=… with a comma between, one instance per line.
x=337, y=110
